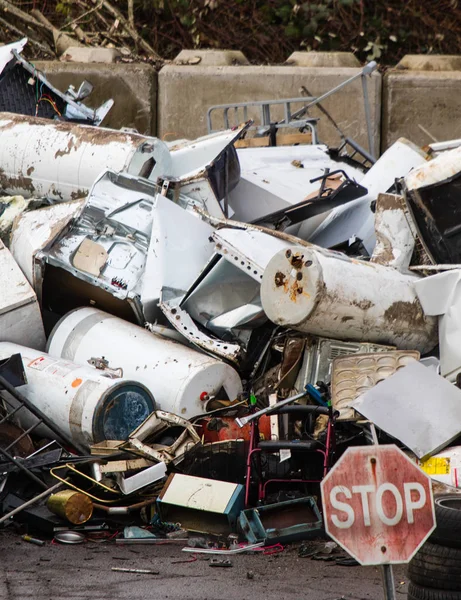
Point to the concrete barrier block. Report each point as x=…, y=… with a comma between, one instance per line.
x=132, y=86
x=211, y=58
x=422, y=93
x=90, y=55
x=186, y=93
x=323, y=59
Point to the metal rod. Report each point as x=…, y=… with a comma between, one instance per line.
x=264, y=411
x=388, y=582
x=366, y=105
x=386, y=570
x=18, y=509
x=367, y=69
x=39, y=414
x=22, y=468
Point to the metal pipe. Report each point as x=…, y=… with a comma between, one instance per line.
x=388, y=582
x=22, y=468
x=366, y=105
x=18, y=509
x=264, y=411
x=386, y=570
x=367, y=70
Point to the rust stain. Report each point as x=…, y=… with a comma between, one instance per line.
x=79, y=194
x=390, y=202
x=363, y=304
x=70, y=146
x=406, y=311
x=297, y=260
x=19, y=182
x=30, y=170
x=279, y=279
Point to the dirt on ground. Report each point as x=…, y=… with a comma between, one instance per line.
x=84, y=572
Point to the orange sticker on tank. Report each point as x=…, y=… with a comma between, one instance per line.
x=76, y=383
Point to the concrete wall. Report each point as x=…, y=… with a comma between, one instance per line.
x=422, y=92
x=186, y=91
x=132, y=86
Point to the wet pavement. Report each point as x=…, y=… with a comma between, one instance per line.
x=57, y=572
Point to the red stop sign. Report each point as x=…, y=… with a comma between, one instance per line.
x=377, y=505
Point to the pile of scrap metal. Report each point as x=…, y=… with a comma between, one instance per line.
x=183, y=340
x=25, y=90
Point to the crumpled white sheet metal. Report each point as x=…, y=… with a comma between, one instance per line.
x=356, y=218
x=440, y=295
x=417, y=407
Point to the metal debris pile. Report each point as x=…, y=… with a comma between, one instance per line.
x=192, y=333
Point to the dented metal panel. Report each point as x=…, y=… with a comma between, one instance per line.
x=178, y=250
x=108, y=241
x=20, y=317
x=326, y=293
x=36, y=230
x=395, y=233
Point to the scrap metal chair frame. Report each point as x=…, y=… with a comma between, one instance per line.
x=257, y=447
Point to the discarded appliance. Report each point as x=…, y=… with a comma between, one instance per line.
x=440, y=295
x=271, y=182
x=163, y=437
x=395, y=233
x=225, y=297
x=353, y=375
x=417, y=407
x=205, y=170
x=181, y=380
x=320, y=353
x=355, y=219
x=326, y=293
x=36, y=230
x=202, y=505
x=284, y=522
x=20, y=318
x=11, y=207
x=179, y=248
x=25, y=90
x=432, y=193
x=61, y=161
x=138, y=481
x=101, y=254
x=87, y=406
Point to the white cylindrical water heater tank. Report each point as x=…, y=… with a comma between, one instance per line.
x=41, y=157
x=82, y=403
x=331, y=295
x=179, y=378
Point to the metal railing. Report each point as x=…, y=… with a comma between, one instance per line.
x=236, y=113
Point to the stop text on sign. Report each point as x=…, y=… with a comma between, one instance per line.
x=391, y=505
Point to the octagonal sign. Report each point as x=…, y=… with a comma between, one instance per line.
x=377, y=505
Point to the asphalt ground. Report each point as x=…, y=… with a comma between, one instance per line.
x=84, y=572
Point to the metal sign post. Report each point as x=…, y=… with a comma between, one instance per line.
x=386, y=570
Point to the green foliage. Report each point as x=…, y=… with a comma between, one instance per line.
x=267, y=31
